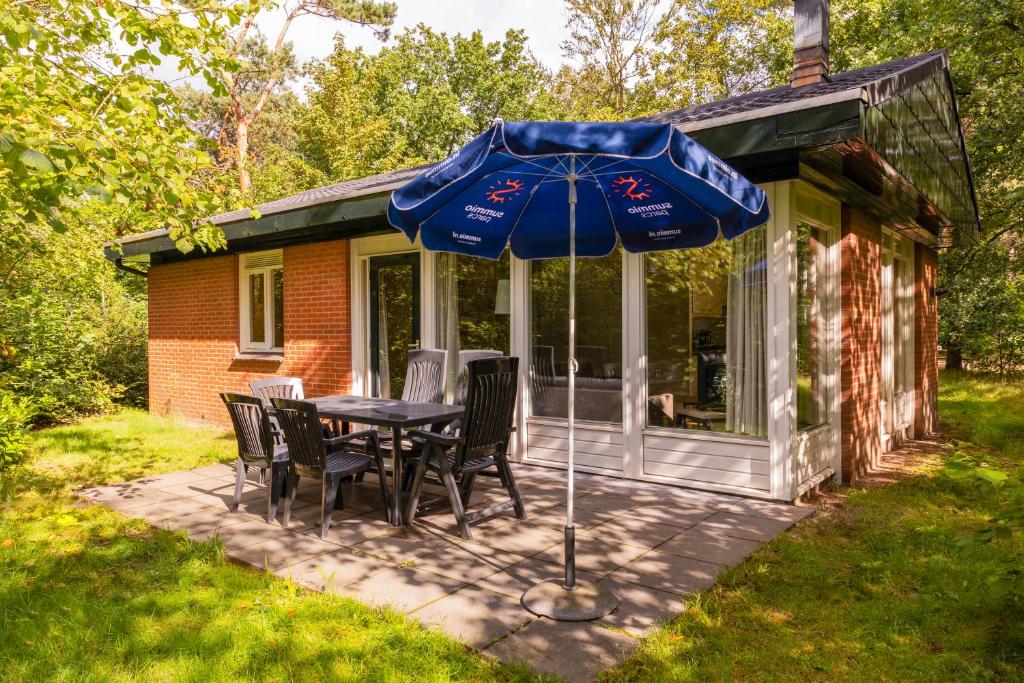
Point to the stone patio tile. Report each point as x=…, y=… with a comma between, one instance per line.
x=242, y=535
x=348, y=531
x=627, y=530
x=541, y=497
x=710, y=547
x=442, y=521
x=163, y=481
x=217, y=471
x=681, y=575
x=576, y=651
x=468, y=562
x=473, y=615
x=669, y=512
x=641, y=608
x=766, y=509
x=743, y=526
x=583, y=519
x=402, y=589
x=306, y=516
x=521, y=537
x=333, y=570
x=281, y=551
x=595, y=555
x=515, y=579
x=405, y=546
x=154, y=513
x=257, y=509
x=126, y=500
x=605, y=502
x=204, y=519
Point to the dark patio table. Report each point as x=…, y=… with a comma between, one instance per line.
x=389, y=413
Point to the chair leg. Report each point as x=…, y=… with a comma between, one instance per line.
x=291, y=487
x=417, y=486
x=509, y=480
x=328, y=495
x=455, y=497
x=240, y=471
x=278, y=481
x=466, y=489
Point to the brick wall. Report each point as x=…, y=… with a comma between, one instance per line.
x=926, y=340
x=193, y=330
x=861, y=342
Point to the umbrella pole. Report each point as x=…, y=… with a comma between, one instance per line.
x=570, y=532
x=568, y=599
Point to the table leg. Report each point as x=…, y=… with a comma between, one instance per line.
x=396, y=472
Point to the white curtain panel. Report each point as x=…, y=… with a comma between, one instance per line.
x=746, y=399
x=447, y=323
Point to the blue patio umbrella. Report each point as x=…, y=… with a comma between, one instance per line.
x=566, y=189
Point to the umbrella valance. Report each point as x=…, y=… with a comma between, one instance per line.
x=649, y=184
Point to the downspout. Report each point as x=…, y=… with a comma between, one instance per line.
x=128, y=269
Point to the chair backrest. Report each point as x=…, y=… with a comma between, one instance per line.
x=465, y=357
x=277, y=387
x=302, y=432
x=424, y=376
x=491, y=388
x=252, y=427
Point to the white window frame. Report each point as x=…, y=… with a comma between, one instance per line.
x=255, y=263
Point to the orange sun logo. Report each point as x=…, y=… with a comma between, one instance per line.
x=633, y=188
x=501, y=191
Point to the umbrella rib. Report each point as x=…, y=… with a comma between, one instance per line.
x=528, y=161
x=526, y=204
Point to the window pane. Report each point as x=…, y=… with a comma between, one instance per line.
x=598, y=337
x=706, y=336
x=481, y=305
x=257, y=309
x=278, y=279
x=811, y=403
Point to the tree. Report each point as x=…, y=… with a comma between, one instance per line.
x=611, y=41
x=416, y=101
x=250, y=88
x=80, y=118
x=712, y=49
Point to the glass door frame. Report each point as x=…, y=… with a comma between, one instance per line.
x=413, y=259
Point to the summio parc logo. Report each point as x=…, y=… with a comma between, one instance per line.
x=466, y=238
x=502, y=191
x=632, y=188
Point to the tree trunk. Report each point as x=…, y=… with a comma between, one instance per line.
x=954, y=356
x=241, y=156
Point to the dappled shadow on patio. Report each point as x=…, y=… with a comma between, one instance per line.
x=654, y=544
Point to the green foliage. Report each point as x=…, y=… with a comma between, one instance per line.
x=15, y=413
x=72, y=328
x=417, y=100
x=80, y=120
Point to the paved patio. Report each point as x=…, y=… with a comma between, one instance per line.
x=655, y=544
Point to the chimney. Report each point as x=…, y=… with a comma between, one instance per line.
x=810, y=42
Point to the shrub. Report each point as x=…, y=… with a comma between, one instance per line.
x=15, y=413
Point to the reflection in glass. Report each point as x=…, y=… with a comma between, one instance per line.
x=395, y=332
x=598, y=337
x=705, y=313
x=811, y=405
x=257, y=309
x=278, y=284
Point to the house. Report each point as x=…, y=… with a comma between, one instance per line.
x=764, y=366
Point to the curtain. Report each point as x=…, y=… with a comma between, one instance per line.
x=448, y=319
x=746, y=391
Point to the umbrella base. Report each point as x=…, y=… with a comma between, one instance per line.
x=586, y=602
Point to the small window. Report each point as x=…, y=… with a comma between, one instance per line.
x=811, y=327
x=262, y=301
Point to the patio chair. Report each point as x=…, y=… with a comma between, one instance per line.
x=464, y=359
x=277, y=387
x=480, y=447
x=424, y=376
x=257, y=448
x=326, y=459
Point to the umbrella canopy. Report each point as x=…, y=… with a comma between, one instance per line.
x=559, y=189
x=647, y=183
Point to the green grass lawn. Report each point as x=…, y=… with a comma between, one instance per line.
x=88, y=594
x=874, y=587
